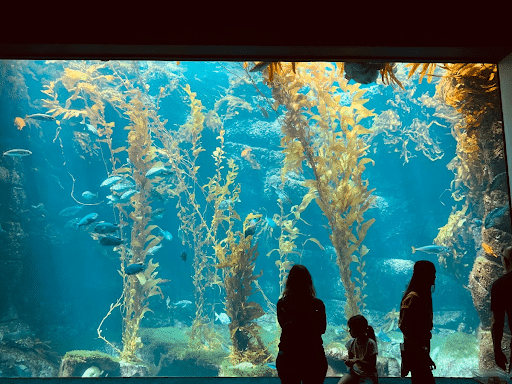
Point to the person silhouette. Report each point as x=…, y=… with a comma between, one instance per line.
x=415, y=322
x=362, y=353
x=301, y=356
x=501, y=304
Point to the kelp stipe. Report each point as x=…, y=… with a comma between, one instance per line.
x=91, y=90
x=327, y=136
x=237, y=259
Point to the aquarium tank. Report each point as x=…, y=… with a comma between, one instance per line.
x=150, y=210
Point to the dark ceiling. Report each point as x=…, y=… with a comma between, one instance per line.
x=273, y=31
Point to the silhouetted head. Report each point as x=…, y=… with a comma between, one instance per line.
x=507, y=259
x=358, y=327
x=423, y=277
x=299, y=283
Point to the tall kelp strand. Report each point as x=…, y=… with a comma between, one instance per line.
x=326, y=135
x=237, y=258
x=91, y=88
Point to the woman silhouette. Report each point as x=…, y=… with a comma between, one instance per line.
x=301, y=315
x=415, y=322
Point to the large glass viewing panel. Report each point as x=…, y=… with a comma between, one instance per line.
x=150, y=211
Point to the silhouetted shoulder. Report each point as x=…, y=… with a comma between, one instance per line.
x=500, y=293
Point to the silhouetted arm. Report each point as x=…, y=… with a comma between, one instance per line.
x=498, y=322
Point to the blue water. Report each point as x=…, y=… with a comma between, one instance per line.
x=70, y=280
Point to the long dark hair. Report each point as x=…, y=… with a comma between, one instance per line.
x=421, y=280
x=299, y=284
x=359, y=322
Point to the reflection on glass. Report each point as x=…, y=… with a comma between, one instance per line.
x=152, y=210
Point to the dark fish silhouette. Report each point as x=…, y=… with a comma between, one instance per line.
x=111, y=241
x=104, y=228
x=183, y=256
x=134, y=268
x=86, y=220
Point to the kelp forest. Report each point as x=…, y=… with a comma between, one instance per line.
x=183, y=193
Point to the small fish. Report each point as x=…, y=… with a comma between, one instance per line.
x=17, y=152
x=488, y=249
x=168, y=302
x=182, y=303
x=111, y=180
x=91, y=129
x=166, y=234
x=105, y=227
x=126, y=195
x=71, y=211
x=478, y=222
x=158, y=171
x=157, y=213
x=40, y=116
x=270, y=222
x=135, y=268
x=86, y=220
x=92, y=372
x=260, y=66
x=151, y=251
x=111, y=241
x=382, y=335
x=121, y=187
x=183, y=256
x=432, y=249
x=223, y=318
x=272, y=365
x=88, y=195
x=113, y=199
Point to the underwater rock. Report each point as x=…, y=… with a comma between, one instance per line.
x=486, y=355
x=75, y=363
x=483, y=274
x=25, y=358
x=448, y=319
x=133, y=370
x=455, y=354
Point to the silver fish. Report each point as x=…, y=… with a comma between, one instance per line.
x=151, y=251
x=17, y=152
x=182, y=303
x=41, y=116
x=111, y=180
x=121, y=187
x=223, y=318
x=89, y=195
x=166, y=234
x=91, y=129
x=125, y=196
x=158, y=171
